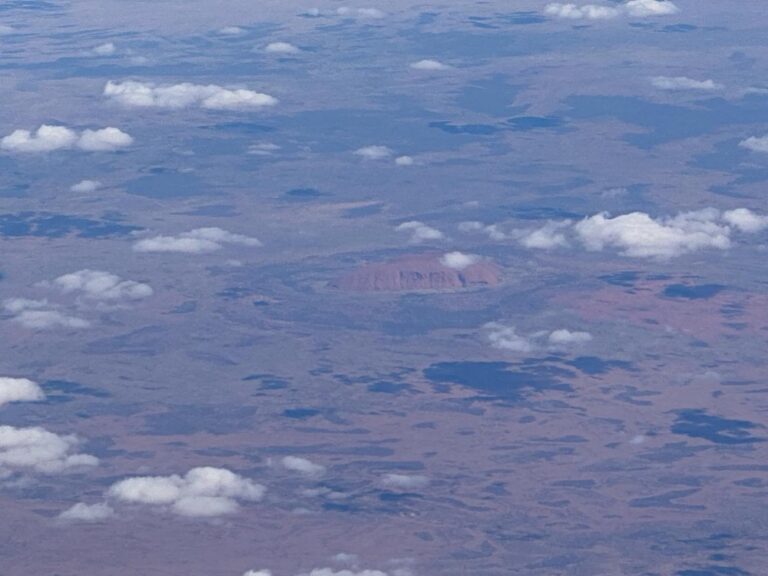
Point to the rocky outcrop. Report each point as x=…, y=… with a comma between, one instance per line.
x=418, y=272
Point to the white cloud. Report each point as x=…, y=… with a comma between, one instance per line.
x=41, y=315
x=505, y=337
x=303, y=466
x=281, y=48
x=745, y=220
x=231, y=31
x=683, y=83
x=642, y=8
x=19, y=390
x=45, y=319
x=345, y=558
x=370, y=13
x=91, y=285
x=201, y=492
x=399, y=567
x=420, y=232
x=632, y=8
x=45, y=139
x=106, y=49
x=104, y=140
x=374, y=152
x=566, y=337
x=85, y=186
x=402, y=571
x=263, y=149
x=549, y=236
x=373, y=13
x=81, y=512
x=491, y=230
x=5, y=29
x=404, y=161
x=459, y=260
x=331, y=572
x=429, y=65
x=639, y=235
x=198, y=241
x=405, y=481
x=49, y=138
x=16, y=305
x=98, y=285
x=185, y=95
x=38, y=450
x=587, y=11
x=756, y=143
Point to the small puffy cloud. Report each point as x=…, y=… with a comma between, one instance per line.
x=281, y=48
x=566, y=337
x=98, y=285
x=365, y=572
x=81, y=512
x=19, y=390
x=642, y=8
x=405, y=481
x=85, y=186
x=231, y=31
x=41, y=315
x=106, y=49
x=44, y=139
x=459, y=260
x=551, y=235
x=198, y=241
x=683, y=83
x=745, y=220
x=38, y=450
x=401, y=571
x=185, y=95
x=756, y=143
x=49, y=138
x=404, y=161
x=104, y=140
x=637, y=234
x=584, y=12
x=491, y=230
x=5, y=30
x=373, y=13
x=302, y=466
x=201, y=492
x=632, y=8
x=46, y=319
x=374, y=152
x=429, y=65
x=420, y=232
x=263, y=149
x=370, y=13
x=505, y=337
x=345, y=558
x=16, y=305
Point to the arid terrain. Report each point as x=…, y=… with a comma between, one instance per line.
x=433, y=289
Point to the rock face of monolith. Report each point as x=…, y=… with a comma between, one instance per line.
x=418, y=272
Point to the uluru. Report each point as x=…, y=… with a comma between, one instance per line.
x=427, y=271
